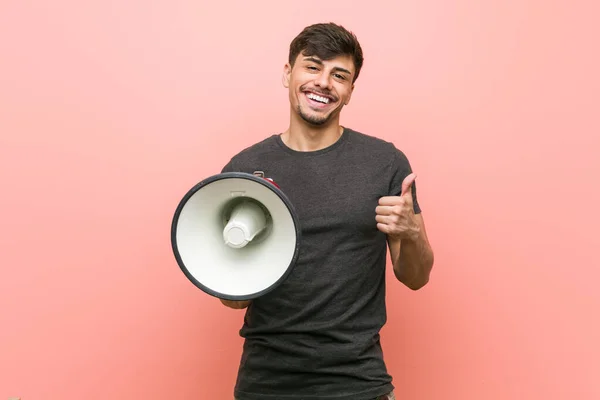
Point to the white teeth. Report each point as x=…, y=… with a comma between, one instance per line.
x=318, y=98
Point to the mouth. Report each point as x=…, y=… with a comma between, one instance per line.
x=318, y=100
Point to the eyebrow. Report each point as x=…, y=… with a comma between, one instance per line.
x=317, y=61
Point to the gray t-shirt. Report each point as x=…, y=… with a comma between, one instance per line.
x=316, y=336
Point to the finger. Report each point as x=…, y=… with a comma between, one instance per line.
x=407, y=184
x=384, y=219
x=384, y=210
x=389, y=201
x=383, y=228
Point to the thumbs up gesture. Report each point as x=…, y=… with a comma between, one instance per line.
x=395, y=214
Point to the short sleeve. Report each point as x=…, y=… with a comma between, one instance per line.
x=229, y=167
x=400, y=168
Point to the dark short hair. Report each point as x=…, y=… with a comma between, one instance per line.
x=327, y=41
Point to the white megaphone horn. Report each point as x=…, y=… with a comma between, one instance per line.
x=235, y=235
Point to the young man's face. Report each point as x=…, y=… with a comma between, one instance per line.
x=319, y=89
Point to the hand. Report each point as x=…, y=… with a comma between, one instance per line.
x=395, y=215
x=236, y=305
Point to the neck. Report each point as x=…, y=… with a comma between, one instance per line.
x=301, y=136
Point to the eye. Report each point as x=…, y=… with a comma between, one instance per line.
x=342, y=77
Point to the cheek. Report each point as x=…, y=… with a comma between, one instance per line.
x=344, y=94
x=294, y=97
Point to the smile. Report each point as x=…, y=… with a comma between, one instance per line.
x=320, y=99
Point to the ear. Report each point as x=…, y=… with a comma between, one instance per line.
x=287, y=71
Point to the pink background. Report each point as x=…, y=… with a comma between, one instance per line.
x=110, y=111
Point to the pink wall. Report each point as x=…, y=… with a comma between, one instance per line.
x=110, y=111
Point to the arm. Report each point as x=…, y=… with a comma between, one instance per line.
x=412, y=257
x=410, y=250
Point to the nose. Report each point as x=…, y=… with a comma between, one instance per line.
x=323, y=80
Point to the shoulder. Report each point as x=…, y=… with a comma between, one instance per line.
x=248, y=155
x=266, y=145
x=383, y=149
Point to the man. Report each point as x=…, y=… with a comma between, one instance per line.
x=316, y=337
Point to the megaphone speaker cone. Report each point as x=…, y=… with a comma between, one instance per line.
x=235, y=236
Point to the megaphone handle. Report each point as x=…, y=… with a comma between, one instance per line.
x=261, y=174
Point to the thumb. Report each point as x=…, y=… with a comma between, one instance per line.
x=407, y=184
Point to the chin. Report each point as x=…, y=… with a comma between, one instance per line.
x=312, y=119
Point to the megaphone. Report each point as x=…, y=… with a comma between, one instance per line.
x=235, y=235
